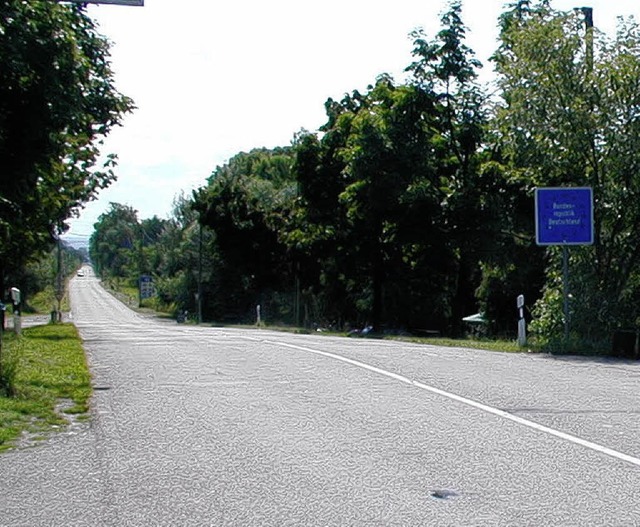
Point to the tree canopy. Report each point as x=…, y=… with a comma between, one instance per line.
x=569, y=117
x=57, y=102
x=413, y=204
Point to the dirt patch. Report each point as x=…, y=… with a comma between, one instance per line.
x=40, y=432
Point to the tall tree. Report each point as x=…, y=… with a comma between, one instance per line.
x=113, y=246
x=389, y=169
x=246, y=203
x=57, y=101
x=184, y=258
x=569, y=118
x=382, y=190
x=447, y=68
x=318, y=232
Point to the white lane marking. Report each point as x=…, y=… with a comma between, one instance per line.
x=469, y=402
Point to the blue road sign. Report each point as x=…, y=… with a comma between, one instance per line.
x=147, y=289
x=564, y=216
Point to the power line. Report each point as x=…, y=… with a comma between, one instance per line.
x=77, y=235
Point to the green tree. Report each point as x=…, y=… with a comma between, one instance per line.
x=114, y=246
x=569, y=118
x=57, y=101
x=318, y=234
x=150, y=235
x=447, y=69
x=383, y=191
x=246, y=204
x=183, y=254
x=390, y=179
x=37, y=280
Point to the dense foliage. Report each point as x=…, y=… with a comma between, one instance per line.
x=570, y=116
x=412, y=206
x=123, y=248
x=57, y=101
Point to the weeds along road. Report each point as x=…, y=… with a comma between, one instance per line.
x=208, y=426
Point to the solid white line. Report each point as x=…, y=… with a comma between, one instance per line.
x=469, y=402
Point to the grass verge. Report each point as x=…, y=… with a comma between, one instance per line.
x=45, y=301
x=505, y=346
x=50, y=368
x=128, y=295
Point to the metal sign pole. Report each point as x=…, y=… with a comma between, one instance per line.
x=564, y=216
x=565, y=289
x=59, y=282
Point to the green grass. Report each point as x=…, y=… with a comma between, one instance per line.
x=51, y=367
x=129, y=295
x=126, y=294
x=45, y=301
x=507, y=346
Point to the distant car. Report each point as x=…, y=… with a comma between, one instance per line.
x=80, y=272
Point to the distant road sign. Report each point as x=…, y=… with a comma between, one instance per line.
x=564, y=216
x=147, y=289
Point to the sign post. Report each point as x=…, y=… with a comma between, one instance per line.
x=522, y=324
x=564, y=216
x=146, y=288
x=16, y=298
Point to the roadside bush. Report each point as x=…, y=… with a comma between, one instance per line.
x=9, y=364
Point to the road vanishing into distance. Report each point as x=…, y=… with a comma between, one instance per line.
x=202, y=426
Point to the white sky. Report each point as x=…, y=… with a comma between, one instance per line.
x=213, y=78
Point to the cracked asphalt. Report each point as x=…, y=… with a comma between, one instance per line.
x=201, y=426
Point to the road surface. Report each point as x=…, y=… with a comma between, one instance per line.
x=198, y=426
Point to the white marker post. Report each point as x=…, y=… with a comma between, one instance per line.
x=17, y=319
x=522, y=324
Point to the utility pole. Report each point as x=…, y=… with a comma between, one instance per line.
x=297, y=298
x=59, y=280
x=588, y=25
x=140, y=265
x=565, y=292
x=199, y=294
x=2, y=308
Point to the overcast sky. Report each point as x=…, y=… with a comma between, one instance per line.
x=214, y=78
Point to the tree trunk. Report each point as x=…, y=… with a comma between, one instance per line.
x=378, y=280
x=2, y=293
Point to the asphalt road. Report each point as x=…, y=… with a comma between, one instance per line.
x=219, y=427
